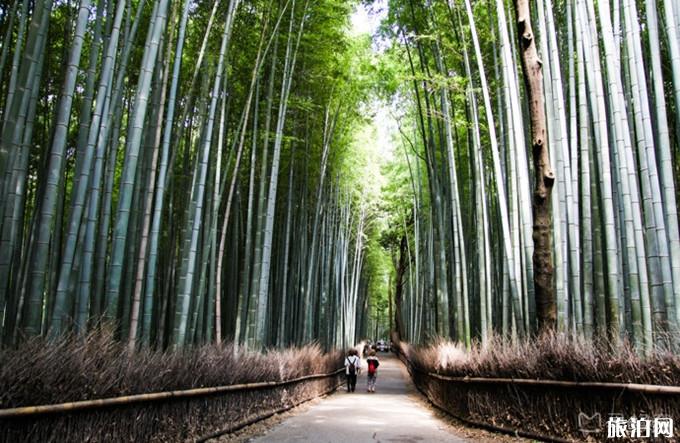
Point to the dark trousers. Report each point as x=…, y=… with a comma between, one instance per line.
x=351, y=382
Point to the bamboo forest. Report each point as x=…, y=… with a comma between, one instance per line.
x=216, y=194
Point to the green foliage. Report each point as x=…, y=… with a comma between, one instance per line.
x=381, y=142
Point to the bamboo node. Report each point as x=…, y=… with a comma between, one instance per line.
x=549, y=178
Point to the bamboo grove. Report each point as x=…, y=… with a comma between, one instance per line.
x=462, y=236
x=193, y=172
x=175, y=169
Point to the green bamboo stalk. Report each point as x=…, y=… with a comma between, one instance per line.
x=500, y=186
x=186, y=281
x=263, y=296
x=131, y=159
x=670, y=206
x=594, y=76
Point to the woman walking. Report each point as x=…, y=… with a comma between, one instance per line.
x=372, y=362
x=352, y=368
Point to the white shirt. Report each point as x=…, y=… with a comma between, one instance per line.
x=354, y=359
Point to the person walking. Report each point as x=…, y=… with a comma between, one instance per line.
x=366, y=350
x=372, y=362
x=352, y=368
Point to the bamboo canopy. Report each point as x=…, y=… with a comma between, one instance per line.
x=268, y=173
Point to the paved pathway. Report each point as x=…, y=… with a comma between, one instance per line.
x=391, y=414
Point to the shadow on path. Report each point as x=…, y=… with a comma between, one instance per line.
x=390, y=414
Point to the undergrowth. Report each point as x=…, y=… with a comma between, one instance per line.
x=97, y=366
x=551, y=356
x=545, y=411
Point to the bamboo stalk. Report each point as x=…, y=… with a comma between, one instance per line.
x=545, y=178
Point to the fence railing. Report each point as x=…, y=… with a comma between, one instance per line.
x=24, y=411
x=179, y=415
x=548, y=410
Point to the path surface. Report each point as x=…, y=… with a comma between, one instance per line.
x=391, y=414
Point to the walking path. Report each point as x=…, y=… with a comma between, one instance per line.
x=391, y=414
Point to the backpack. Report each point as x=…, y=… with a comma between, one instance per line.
x=352, y=367
x=372, y=366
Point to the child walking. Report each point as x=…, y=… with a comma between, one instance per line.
x=352, y=367
x=372, y=362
